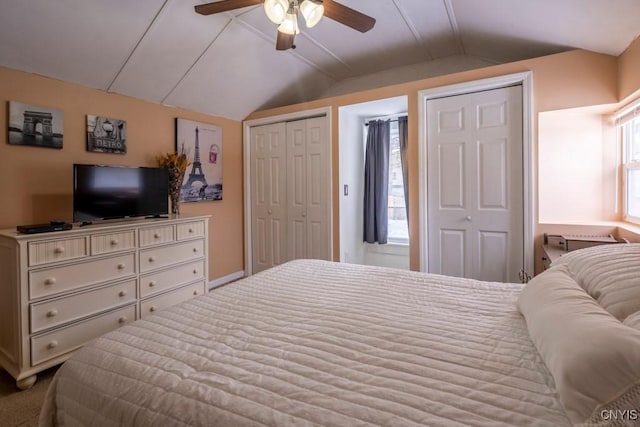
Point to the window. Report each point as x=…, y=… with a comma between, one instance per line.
x=630, y=131
x=397, y=225
x=398, y=229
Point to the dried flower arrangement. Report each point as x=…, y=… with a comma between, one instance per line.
x=176, y=165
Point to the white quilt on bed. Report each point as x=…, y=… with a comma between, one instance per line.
x=317, y=343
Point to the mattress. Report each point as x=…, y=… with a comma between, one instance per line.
x=317, y=343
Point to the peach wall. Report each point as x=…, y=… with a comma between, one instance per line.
x=577, y=150
x=629, y=71
x=36, y=183
x=566, y=80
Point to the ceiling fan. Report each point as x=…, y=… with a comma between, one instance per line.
x=284, y=13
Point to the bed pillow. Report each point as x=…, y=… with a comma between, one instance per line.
x=594, y=359
x=610, y=274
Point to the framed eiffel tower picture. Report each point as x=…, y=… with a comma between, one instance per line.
x=203, y=144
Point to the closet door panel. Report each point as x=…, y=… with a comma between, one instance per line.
x=318, y=189
x=297, y=189
x=268, y=196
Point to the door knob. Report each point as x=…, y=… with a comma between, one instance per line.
x=269, y=211
x=304, y=214
x=468, y=218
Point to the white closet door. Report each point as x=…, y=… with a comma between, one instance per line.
x=308, y=189
x=475, y=211
x=268, y=196
x=297, y=188
x=290, y=179
x=318, y=214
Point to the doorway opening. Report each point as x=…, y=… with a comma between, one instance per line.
x=353, y=121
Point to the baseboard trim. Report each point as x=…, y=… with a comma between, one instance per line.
x=226, y=279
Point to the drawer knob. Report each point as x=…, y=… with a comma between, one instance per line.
x=191, y=230
x=122, y=320
x=152, y=259
x=195, y=271
x=121, y=266
x=114, y=242
x=52, y=345
x=50, y=281
x=58, y=250
x=122, y=293
x=156, y=236
x=52, y=313
x=152, y=284
x=152, y=308
x=195, y=249
x=195, y=292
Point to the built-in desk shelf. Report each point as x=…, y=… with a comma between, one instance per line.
x=556, y=245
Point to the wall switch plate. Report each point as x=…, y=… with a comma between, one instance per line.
x=346, y=190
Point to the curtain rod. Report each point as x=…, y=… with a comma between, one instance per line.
x=390, y=121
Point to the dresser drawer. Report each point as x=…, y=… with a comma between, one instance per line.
x=113, y=242
x=166, y=279
x=155, y=235
x=55, y=312
x=54, y=280
x=58, y=342
x=151, y=259
x=57, y=250
x=189, y=230
x=155, y=304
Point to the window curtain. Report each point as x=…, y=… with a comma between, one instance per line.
x=376, y=182
x=402, y=134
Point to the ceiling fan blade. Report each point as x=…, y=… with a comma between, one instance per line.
x=285, y=41
x=347, y=16
x=224, y=6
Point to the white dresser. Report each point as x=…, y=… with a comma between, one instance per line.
x=59, y=290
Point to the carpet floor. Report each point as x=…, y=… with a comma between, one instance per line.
x=22, y=408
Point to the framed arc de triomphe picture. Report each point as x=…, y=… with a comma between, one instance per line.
x=34, y=125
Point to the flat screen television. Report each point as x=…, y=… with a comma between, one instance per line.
x=109, y=192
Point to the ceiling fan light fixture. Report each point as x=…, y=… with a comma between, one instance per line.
x=290, y=23
x=312, y=11
x=276, y=10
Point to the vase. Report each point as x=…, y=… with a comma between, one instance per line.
x=175, y=185
x=175, y=202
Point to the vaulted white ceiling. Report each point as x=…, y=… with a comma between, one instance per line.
x=226, y=64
